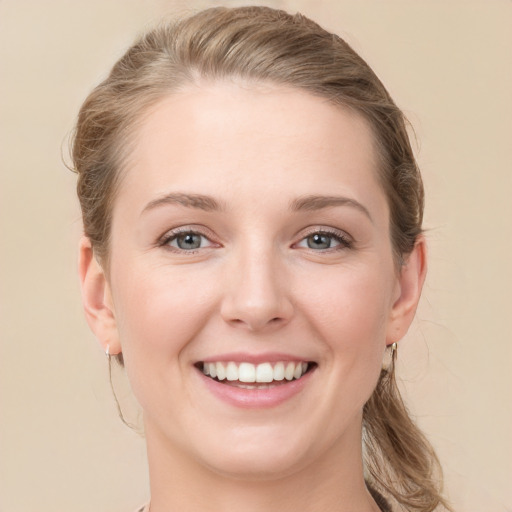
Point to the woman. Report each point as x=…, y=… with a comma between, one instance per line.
x=253, y=253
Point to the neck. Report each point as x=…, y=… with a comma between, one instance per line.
x=334, y=483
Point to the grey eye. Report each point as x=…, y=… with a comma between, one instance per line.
x=319, y=241
x=187, y=241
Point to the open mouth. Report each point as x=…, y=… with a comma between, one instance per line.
x=255, y=376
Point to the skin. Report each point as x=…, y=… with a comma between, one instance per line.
x=254, y=286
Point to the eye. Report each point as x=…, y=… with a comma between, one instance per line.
x=186, y=241
x=322, y=240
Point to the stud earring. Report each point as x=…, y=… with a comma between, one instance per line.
x=390, y=365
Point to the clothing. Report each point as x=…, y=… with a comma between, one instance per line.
x=379, y=499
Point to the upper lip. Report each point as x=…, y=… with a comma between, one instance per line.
x=244, y=357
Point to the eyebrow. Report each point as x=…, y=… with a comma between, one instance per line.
x=208, y=203
x=198, y=201
x=313, y=203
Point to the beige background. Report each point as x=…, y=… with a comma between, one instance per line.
x=447, y=63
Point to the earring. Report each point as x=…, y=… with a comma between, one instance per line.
x=390, y=365
x=107, y=351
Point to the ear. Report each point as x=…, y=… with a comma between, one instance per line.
x=410, y=283
x=97, y=299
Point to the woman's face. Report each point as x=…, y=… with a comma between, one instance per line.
x=250, y=243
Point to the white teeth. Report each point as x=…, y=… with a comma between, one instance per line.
x=221, y=371
x=232, y=371
x=252, y=386
x=250, y=373
x=279, y=371
x=246, y=372
x=289, y=371
x=264, y=373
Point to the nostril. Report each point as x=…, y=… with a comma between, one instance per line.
x=258, y=299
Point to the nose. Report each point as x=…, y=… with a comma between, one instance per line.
x=257, y=293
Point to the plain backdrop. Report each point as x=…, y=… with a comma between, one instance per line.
x=446, y=63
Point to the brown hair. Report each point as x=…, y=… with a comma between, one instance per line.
x=266, y=45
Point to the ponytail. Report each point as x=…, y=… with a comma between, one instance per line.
x=399, y=460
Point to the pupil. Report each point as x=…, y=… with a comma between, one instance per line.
x=189, y=241
x=319, y=241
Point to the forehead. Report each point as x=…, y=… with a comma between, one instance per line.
x=229, y=137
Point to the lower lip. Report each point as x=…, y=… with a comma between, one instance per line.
x=256, y=398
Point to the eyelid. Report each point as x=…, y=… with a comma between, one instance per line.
x=173, y=233
x=344, y=239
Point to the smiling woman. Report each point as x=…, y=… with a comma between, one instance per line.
x=252, y=248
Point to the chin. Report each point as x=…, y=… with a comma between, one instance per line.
x=268, y=456
x=263, y=467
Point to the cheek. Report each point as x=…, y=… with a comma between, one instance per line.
x=349, y=310
x=159, y=309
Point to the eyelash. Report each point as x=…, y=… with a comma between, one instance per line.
x=169, y=237
x=345, y=242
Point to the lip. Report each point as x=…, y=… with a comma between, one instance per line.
x=240, y=357
x=255, y=398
